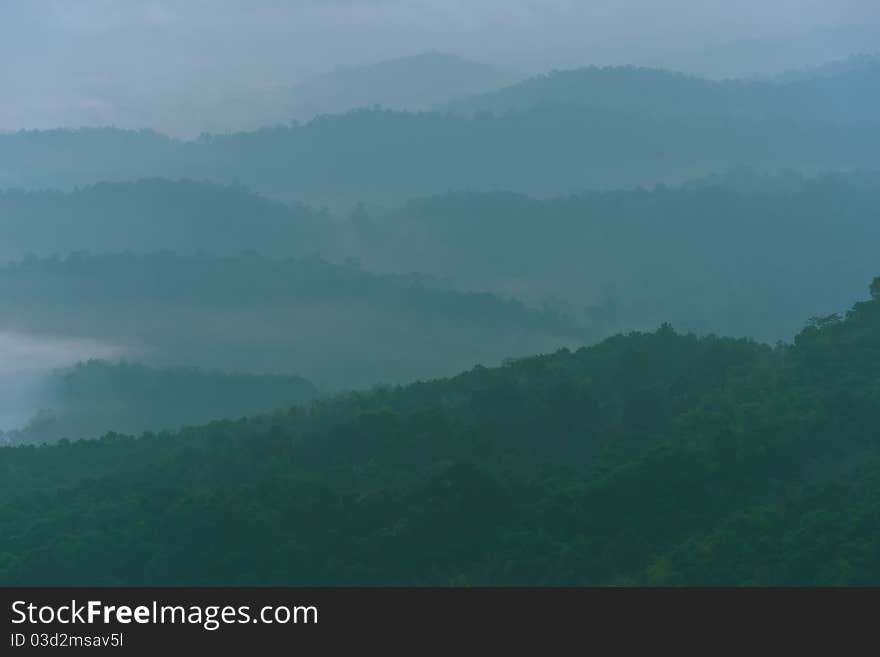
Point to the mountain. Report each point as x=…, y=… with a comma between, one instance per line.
x=735, y=254
x=846, y=94
x=154, y=215
x=417, y=82
x=234, y=102
x=845, y=65
x=96, y=397
x=756, y=57
x=385, y=157
x=653, y=458
x=337, y=325
x=617, y=260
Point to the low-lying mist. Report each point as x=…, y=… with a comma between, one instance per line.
x=26, y=364
x=439, y=292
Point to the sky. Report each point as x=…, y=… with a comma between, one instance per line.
x=82, y=56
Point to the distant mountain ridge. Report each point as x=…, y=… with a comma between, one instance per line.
x=154, y=215
x=655, y=459
x=844, y=65
x=847, y=94
x=384, y=156
x=757, y=57
x=336, y=325
x=416, y=82
x=618, y=260
x=95, y=397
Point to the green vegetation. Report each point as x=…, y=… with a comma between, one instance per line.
x=337, y=325
x=95, y=397
x=655, y=458
x=419, y=345
x=368, y=155
x=738, y=254
x=154, y=215
x=849, y=94
x=735, y=254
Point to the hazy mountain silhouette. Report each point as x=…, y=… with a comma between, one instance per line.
x=154, y=215
x=417, y=82
x=761, y=57
x=832, y=94
x=371, y=155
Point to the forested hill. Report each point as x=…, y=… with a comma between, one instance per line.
x=368, y=155
x=151, y=215
x=736, y=255
x=414, y=82
x=337, y=325
x=848, y=95
x=95, y=397
x=655, y=458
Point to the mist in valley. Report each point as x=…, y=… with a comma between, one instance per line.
x=27, y=362
x=334, y=281
x=160, y=65
x=379, y=206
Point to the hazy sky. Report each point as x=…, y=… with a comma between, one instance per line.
x=81, y=53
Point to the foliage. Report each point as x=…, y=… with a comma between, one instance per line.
x=369, y=155
x=337, y=325
x=94, y=397
x=655, y=458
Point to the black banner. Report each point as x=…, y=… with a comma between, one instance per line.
x=183, y=619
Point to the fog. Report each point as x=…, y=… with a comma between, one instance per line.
x=26, y=360
x=439, y=292
x=145, y=64
x=384, y=247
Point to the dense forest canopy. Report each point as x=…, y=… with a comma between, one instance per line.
x=411, y=322
x=652, y=458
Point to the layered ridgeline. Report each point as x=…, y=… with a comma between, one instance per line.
x=96, y=397
x=336, y=325
x=183, y=216
x=564, y=133
x=652, y=458
x=416, y=82
x=385, y=156
x=833, y=95
x=804, y=54
x=738, y=254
